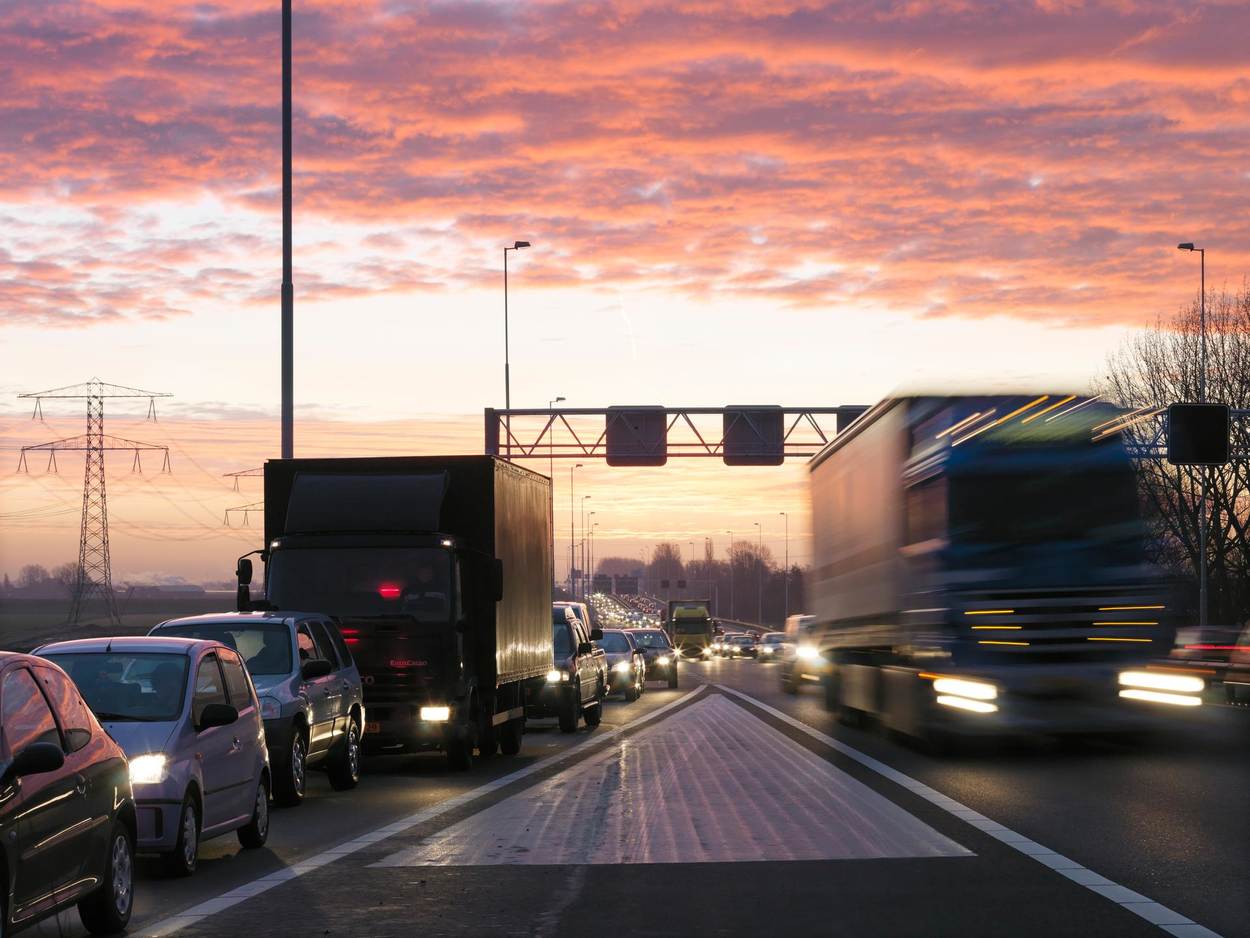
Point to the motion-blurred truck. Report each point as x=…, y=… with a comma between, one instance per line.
x=438, y=572
x=689, y=625
x=979, y=567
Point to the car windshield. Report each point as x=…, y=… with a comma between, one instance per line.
x=265, y=648
x=614, y=642
x=774, y=638
x=363, y=581
x=562, y=638
x=651, y=639
x=141, y=687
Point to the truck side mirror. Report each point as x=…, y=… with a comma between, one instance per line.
x=243, y=595
x=496, y=579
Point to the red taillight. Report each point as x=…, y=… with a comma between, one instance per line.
x=389, y=591
x=1210, y=647
x=350, y=631
x=352, y=641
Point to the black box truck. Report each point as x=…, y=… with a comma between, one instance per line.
x=438, y=571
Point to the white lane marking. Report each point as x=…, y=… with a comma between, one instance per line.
x=712, y=784
x=233, y=897
x=1157, y=914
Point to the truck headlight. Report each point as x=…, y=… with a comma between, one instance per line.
x=976, y=690
x=270, y=708
x=663, y=659
x=435, y=714
x=621, y=667
x=808, y=653
x=149, y=769
x=555, y=677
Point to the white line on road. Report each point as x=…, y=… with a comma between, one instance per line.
x=1153, y=912
x=233, y=897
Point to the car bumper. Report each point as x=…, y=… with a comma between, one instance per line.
x=548, y=700
x=660, y=672
x=157, y=824
x=399, y=726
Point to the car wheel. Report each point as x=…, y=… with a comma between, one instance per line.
x=254, y=834
x=569, y=709
x=510, y=736
x=107, y=910
x=672, y=678
x=182, y=859
x=344, y=766
x=291, y=772
x=631, y=691
x=789, y=683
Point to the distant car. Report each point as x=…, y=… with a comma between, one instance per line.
x=67, y=818
x=772, y=646
x=741, y=646
x=724, y=649
x=659, y=652
x=578, y=679
x=627, y=665
x=802, y=661
x=187, y=716
x=310, y=691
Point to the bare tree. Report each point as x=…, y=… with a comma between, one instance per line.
x=32, y=574
x=1161, y=366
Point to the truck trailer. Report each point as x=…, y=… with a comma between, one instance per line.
x=438, y=571
x=979, y=567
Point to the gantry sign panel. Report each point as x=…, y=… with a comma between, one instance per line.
x=741, y=435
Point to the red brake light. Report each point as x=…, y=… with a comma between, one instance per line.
x=1211, y=647
x=388, y=591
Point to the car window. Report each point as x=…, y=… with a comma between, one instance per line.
x=25, y=715
x=208, y=687
x=562, y=635
x=325, y=645
x=69, y=706
x=615, y=642
x=236, y=680
x=143, y=687
x=265, y=646
x=340, y=643
x=306, y=643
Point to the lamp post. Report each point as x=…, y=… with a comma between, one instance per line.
x=583, y=513
x=572, y=532
x=288, y=288
x=507, y=377
x=730, y=555
x=551, y=471
x=591, y=565
x=1202, y=399
x=759, y=559
x=786, y=575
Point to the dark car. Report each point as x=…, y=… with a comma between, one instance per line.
x=309, y=687
x=578, y=680
x=741, y=646
x=660, y=654
x=67, y=819
x=627, y=665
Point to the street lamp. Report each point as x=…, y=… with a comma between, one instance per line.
x=551, y=471
x=1202, y=399
x=591, y=565
x=786, y=576
x=507, y=378
x=572, y=533
x=759, y=602
x=583, y=514
x=729, y=554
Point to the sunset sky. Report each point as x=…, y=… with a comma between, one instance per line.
x=729, y=202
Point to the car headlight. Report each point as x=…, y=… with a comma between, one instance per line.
x=555, y=677
x=621, y=667
x=707, y=651
x=270, y=708
x=435, y=714
x=767, y=650
x=663, y=659
x=149, y=770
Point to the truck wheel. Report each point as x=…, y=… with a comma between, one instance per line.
x=593, y=714
x=487, y=737
x=569, y=708
x=510, y=736
x=460, y=754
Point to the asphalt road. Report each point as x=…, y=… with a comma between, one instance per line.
x=735, y=809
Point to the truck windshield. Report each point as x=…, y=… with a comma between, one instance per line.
x=363, y=581
x=690, y=626
x=1038, y=507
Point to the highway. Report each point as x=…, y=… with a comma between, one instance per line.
x=727, y=807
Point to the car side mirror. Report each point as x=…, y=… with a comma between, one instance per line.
x=585, y=648
x=34, y=760
x=496, y=579
x=217, y=714
x=314, y=668
x=596, y=634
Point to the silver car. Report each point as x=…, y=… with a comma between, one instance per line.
x=310, y=691
x=627, y=665
x=187, y=716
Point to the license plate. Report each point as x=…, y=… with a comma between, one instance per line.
x=373, y=727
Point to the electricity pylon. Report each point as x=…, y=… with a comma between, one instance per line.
x=95, y=573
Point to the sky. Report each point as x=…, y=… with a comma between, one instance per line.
x=766, y=201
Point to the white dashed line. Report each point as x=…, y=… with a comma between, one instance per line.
x=197, y=913
x=1153, y=912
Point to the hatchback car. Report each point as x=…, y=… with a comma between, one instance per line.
x=741, y=646
x=660, y=654
x=627, y=665
x=188, y=718
x=772, y=646
x=67, y=819
x=310, y=691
